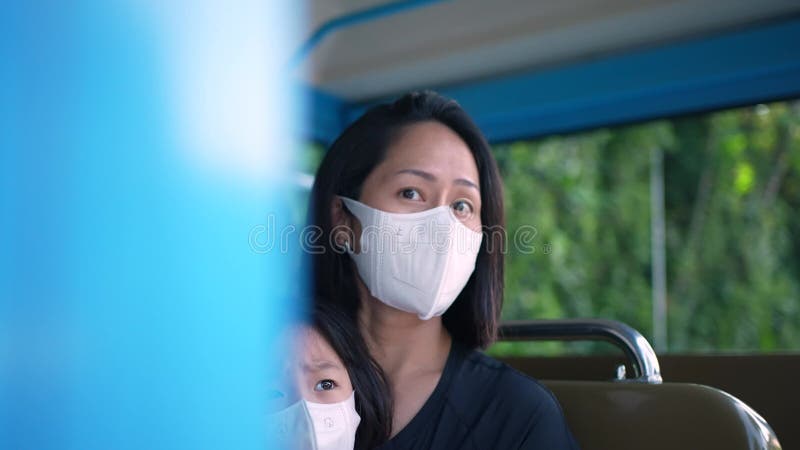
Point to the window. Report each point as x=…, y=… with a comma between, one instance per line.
x=731, y=217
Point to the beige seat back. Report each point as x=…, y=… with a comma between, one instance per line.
x=668, y=416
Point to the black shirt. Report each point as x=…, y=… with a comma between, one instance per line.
x=481, y=403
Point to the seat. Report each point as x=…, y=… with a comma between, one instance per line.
x=667, y=416
x=642, y=412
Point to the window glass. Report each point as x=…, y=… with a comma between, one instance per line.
x=731, y=196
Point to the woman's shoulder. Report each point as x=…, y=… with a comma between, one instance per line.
x=509, y=409
x=506, y=384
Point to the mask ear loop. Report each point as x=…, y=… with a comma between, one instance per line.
x=346, y=246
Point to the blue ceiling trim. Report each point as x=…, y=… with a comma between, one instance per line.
x=348, y=20
x=639, y=104
x=736, y=68
x=728, y=70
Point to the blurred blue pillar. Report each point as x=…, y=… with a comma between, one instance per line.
x=141, y=142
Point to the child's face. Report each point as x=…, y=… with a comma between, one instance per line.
x=320, y=375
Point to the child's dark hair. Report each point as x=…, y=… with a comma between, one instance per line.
x=373, y=397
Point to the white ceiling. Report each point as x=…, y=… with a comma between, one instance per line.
x=449, y=42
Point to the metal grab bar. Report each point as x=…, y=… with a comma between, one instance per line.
x=636, y=348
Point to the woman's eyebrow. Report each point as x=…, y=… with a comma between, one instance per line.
x=420, y=173
x=466, y=182
x=431, y=177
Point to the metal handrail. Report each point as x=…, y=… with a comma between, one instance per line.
x=636, y=348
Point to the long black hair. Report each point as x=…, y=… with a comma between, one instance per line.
x=373, y=397
x=473, y=317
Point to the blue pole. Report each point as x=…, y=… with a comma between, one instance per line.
x=140, y=143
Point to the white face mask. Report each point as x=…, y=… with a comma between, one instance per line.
x=415, y=262
x=335, y=424
x=290, y=428
x=306, y=425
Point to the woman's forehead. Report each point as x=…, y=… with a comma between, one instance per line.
x=433, y=147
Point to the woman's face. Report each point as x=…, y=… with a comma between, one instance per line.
x=319, y=374
x=428, y=166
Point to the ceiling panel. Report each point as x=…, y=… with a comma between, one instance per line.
x=442, y=43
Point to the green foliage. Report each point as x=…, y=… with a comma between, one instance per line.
x=310, y=157
x=732, y=188
x=307, y=162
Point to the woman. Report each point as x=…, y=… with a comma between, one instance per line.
x=410, y=204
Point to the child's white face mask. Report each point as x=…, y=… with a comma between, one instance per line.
x=335, y=424
x=415, y=262
x=316, y=426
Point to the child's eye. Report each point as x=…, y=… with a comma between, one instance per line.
x=325, y=385
x=410, y=194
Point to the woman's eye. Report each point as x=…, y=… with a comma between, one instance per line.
x=462, y=208
x=325, y=385
x=410, y=194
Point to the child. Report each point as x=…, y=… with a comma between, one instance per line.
x=345, y=397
